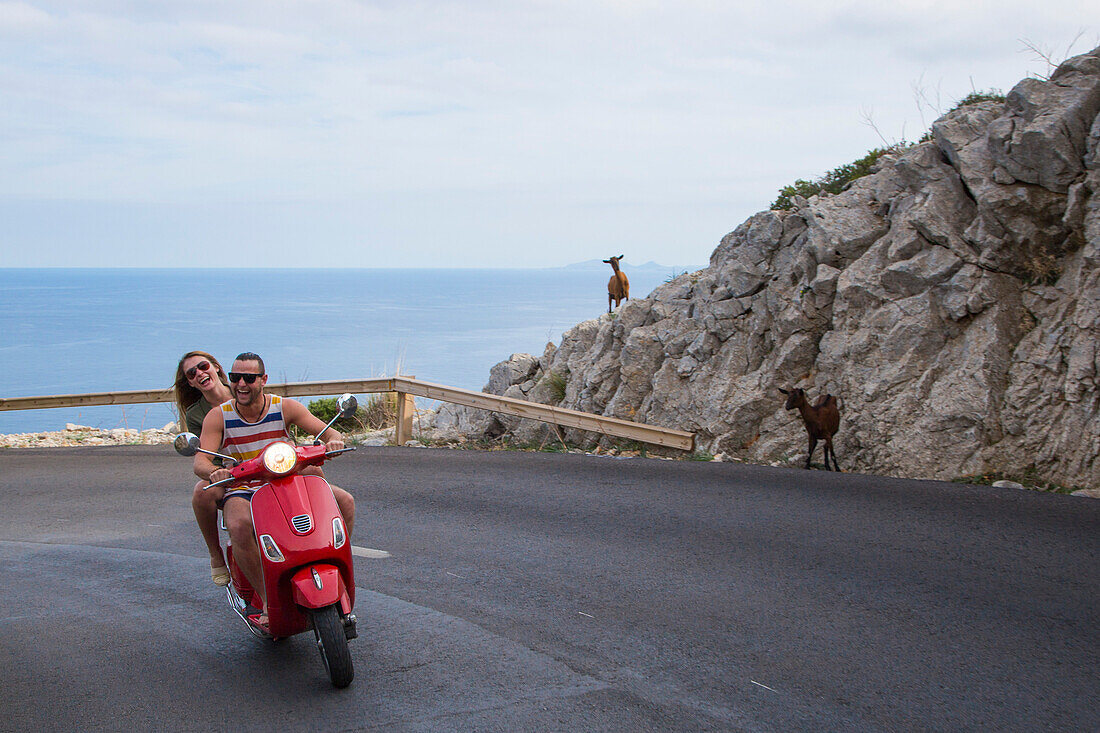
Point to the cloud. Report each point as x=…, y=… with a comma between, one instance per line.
x=633, y=105
x=17, y=18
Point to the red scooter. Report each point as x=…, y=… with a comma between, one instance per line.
x=305, y=550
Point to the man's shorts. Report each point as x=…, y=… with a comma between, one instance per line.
x=243, y=492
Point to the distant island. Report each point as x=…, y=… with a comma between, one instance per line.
x=650, y=266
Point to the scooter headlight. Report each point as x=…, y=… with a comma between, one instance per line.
x=280, y=458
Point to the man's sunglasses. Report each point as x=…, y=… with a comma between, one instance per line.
x=248, y=378
x=202, y=365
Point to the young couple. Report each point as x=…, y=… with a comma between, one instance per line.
x=232, y=415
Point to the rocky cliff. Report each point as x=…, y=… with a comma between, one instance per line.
x=951, y=299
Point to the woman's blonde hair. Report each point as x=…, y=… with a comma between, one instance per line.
x=186, y=395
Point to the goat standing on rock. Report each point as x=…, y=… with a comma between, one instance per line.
x=822, y=421
x=618, y=288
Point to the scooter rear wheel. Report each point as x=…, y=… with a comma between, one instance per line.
x=332, y=642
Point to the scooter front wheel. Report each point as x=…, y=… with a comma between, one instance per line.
x=333, y=645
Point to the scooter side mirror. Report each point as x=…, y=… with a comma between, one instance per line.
x=347, y=404
x=186, y=444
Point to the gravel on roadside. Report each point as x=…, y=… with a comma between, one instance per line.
x=77, y=435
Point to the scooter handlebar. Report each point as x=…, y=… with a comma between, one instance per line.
x=224, y=481
x=251, y=469
x=242, y=471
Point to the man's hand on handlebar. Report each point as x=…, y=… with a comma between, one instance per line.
x=219, y=474
x=334, y=444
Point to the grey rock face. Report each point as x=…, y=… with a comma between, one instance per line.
x=951, y=300
x=1042, y=140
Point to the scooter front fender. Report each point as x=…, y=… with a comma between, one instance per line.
x=320, y=585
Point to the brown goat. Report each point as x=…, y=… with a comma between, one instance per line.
x=821, y=421
x=618, y=287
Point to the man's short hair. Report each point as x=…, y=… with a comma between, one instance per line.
x=249, y=356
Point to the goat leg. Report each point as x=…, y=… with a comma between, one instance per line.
x=813, y=444
x=829, y=451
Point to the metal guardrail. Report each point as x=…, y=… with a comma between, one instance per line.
x=406, y=388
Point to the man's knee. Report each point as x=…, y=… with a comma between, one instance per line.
x=239, y=524
x=343, y=498
x=206, y=498
x=198, y=496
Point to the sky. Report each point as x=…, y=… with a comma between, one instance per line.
x=328, y=133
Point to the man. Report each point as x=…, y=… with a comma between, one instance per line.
x=242, y=428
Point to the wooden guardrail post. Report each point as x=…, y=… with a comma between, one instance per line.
x=406, y=408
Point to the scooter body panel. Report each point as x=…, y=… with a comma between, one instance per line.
x=319, y=585
x=295, y=514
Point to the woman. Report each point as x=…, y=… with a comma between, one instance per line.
x=201, y=384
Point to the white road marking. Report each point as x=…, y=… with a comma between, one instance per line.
x=586, y=615
x=460, y=577
x=368, y=552
x=764, y=686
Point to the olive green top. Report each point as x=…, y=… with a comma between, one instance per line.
x=195, y=415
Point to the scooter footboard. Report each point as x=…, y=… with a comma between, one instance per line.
x=320, y=585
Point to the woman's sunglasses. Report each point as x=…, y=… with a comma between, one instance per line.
x=248, y=378
x=202, y=365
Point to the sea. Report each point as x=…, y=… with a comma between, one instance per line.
x=73, y=331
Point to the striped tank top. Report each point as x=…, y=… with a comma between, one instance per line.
x=242, y=439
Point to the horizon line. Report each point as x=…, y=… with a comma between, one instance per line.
x=651, y=263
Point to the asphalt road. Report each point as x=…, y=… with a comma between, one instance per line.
x=559, y=592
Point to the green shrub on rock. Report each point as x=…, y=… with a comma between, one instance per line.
x=832, y=182
x=976, y=97
x=838, y=179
